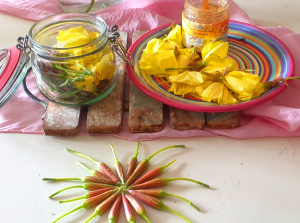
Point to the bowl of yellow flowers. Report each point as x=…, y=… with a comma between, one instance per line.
x=251, y=67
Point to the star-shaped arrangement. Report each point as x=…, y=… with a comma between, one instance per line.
x=107, y=190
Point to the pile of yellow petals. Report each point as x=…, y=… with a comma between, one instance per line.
x=100, y=64
x=211, y=76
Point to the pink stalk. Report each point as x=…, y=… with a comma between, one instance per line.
x=118, y=164
x=160, y=182
x=133, y=162
x=95, y=173
x=128, y=211
x=86, y=186
x=91, y=202
x=162, y=194
x=87, y=179
x=104, y=206
x=102, y=166
x=115, y=210
x=152, y=173
x=142, y=166
x=155, y=203
x=89, y=194
x=137, y=207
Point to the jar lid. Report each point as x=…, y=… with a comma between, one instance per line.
x=12, y=62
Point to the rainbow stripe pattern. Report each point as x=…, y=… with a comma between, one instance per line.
x=252, y=48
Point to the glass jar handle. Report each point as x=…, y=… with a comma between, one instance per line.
x=117, y=47
x=28, y=92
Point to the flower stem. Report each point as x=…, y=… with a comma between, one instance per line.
x=90, y=6
x=175, y=212
x=62, y=179
x=163, y=149
x=81, y=206
x=182, y=198
x=67, y=188
x=85, y=156
x=187, y=179
x=75, y=199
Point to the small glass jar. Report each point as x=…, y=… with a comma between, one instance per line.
x=201, y=25
x=74, y=76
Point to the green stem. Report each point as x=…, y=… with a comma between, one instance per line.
x=163, y=149
x=92, y=216
x=90, y=6
x=84, y=167
x=145, y=217
x=68, y=213
x=74, y=199
x=291, y=78
x=85, y=156
x=187, y=179
x=67, y=188
x=164, y=167
x=175, y=212
x=137, y=150
x=63, y=179
x=114, y=152
x=182, y=198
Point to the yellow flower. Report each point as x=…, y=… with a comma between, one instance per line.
x=242, y=84
x=175, y=36
x=156, y=63
x=104, y=69
x=73, y=37
x=218, y=48
x=218, y=92
x=221, y=63
x=88, y=71
x=181, y=89
x=155, y=45
x=192, y=78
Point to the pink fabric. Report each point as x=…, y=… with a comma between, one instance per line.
x=279, y=117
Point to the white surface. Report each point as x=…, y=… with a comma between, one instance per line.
x=255, y=180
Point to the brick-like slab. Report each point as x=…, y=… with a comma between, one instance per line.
x=184, y=120
x=105, y=116
x=145, y=113
x=223, y=120
x=61, y=120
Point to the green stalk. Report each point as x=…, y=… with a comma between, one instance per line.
x=144, y=164
x=64, y=179
x=175, y=212
x=90, y=6
x=82, y=206
x=95, y=173
x=67, y=188
x=182, y=198
x=118, y=165
x=102, y=166
x=133, y=162
x=187, y=179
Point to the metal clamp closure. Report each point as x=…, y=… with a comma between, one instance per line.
x=116, y=46
x=23, y=45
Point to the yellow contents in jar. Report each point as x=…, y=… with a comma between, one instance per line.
x=86, y=72
x=204, y=21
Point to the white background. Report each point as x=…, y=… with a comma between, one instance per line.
x=253, y=180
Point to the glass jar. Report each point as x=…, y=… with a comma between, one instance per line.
x=74, y=75
x=202, y=24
